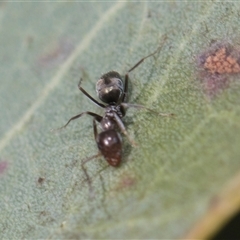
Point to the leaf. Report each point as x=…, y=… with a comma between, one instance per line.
x=166, y=183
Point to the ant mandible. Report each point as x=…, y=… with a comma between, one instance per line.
x=111, y=90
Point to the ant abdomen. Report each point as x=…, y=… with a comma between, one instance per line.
x=110, y=87
x=110, y=145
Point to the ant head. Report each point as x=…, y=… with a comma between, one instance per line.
x=110, y=87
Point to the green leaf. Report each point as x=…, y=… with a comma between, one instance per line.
x=166, y=183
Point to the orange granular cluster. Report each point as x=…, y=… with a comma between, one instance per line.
x=219, y=62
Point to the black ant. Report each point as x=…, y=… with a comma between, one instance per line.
x=111, y=90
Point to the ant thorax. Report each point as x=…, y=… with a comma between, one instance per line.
x=109, y=120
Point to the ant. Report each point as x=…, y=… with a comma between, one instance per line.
x=111, y=91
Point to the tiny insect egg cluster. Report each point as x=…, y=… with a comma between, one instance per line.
x=221, y=62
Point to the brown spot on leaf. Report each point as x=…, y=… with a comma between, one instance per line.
x=216, y=65
x=57, y=53
x=3, y=166
x=126, y=181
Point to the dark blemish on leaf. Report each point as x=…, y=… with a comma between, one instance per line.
x=29, y=207
x=149, y=15
x=56, y=55
x=45, y=218
x=216, y=66
x=3, y=166
x=63, y=224
x=41, y=180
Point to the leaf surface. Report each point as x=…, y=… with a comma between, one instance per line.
x=166, y=183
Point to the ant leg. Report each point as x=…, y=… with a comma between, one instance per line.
x=90, y=97
x=95, y=129
x=127, y=105
x=123, y=129
x=88, y=179
x=151, y=54
x=136, y=65
x=91, y=158
x=125, y=93
x=96, y=116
